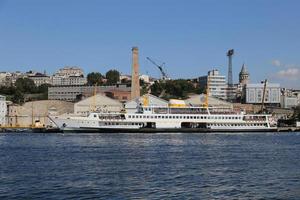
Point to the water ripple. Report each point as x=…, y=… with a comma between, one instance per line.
x=149, y=166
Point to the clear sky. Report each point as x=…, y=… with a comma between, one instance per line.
x=190, y=36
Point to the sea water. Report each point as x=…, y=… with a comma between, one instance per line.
x=150, y=166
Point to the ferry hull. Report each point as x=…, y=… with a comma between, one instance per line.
x=164, y=130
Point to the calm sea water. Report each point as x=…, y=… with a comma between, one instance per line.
x=150, y=166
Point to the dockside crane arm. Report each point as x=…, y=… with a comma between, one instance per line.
x=163, y=73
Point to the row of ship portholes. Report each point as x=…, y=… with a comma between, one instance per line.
x=181, y=117
x=125, y=124
x=240, y=125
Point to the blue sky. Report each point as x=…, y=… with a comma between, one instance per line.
x=190, y=36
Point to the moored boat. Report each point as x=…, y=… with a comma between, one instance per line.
x=167, y=119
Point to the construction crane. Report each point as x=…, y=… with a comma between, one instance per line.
x=160, y=67
x=263, y=97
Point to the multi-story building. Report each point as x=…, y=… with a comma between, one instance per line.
x=70, y=80
x=75, y=93
x=3, y=110
x=217, y=84
x=288, y=101
x=4, y=77
x=254, y=93
x=68, y=76
x=289, y=98
x=40, y=79
x=69, y=71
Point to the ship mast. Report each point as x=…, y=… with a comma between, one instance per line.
x=207, y=93
x=94, y=98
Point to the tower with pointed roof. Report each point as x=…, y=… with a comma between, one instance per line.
x=244, y=76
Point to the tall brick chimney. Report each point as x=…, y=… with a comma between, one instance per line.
x=135, y=82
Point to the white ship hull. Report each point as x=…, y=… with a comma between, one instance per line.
x=164, y=122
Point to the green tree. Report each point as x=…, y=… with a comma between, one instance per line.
x=25, y=85
x=18, y=97
x=173, y=88
x=112, y=76
x=157, y=88
x=10, y=90
x=94, y=78
x=43, y=88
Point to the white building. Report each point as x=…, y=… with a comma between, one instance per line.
x=69, y=71
x=217, y=84
x=3, y=110
x=254, y=93
x=68, y=76
x=71, y=80
x=40, y=79
x=288, y=101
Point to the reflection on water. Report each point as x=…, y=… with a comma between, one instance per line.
x=150, y=166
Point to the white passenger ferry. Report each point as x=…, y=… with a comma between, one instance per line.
x=167, y=119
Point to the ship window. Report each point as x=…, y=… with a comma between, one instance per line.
x=147, y=116
x=155, y=117
x=195, y=117
x=177, y=117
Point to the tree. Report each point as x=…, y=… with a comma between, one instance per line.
x=43, y=88
x=94, y=78
x=157, y=88
x=173, y=88
x=112, y=76
x=25, y=85
x=18, y=97
x=7, y=90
